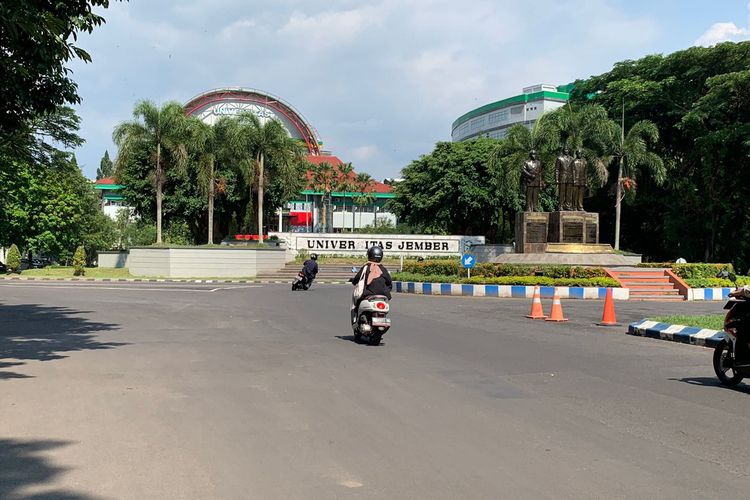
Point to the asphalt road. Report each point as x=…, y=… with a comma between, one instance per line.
x=144, y=391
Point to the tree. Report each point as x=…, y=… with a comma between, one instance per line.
x=14, y=259
x=79, y=262
x=36, y=41
x=324, y=179
x=449, y=191
x=208, y=142
x=345, y=184
x=164, y=132
x=263, y=152
x=364, y=186
x=106, y=168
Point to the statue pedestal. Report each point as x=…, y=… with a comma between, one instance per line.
x=535, y=230
x=573, y=227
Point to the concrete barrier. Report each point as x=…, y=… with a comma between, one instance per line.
x=676, y=333
x=215, y=262
x=708, y=293
x=508, y=291
x=116, y=259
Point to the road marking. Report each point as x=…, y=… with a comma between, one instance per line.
x=139, y=288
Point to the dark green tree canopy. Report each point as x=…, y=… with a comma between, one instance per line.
x=106, y=168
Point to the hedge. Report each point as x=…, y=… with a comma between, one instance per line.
x=491, y=270
x=716, y=282
x=692, y=271
x=508, y=280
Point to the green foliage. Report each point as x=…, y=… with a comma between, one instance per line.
x=491, y=270
x=106, y=167
x=450, y=191
x=506, y=280
x=698, y=100
x=36, y=42
x=178, y=233
x=691, y=271
x=79, y=262
x=13, y=259
x=386, y=226
x=715, y=282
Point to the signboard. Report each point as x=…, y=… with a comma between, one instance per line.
x=392, y=244
x=468, y=261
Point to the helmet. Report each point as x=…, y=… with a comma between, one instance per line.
x=375, y=254
x=314, y=256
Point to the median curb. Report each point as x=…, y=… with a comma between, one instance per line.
x=708, y=293
x=164, y=280
x=508, y=291
x=676, y=333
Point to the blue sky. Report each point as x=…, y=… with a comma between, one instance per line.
x=382, y=80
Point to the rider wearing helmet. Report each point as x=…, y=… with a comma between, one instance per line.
x=377, y=279
x=310, y=269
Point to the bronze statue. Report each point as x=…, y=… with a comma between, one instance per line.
x=564, y=178
x=579, y=180
x=533, y=177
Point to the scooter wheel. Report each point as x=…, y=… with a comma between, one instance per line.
x=375, y=339
x=724, y=365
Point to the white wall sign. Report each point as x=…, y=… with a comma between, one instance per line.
x=393, y=244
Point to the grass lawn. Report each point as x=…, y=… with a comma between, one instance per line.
x=711, y=321
x=67, y=272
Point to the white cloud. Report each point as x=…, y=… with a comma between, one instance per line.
x=330, y=28
x=238, y=28
x=724, y=32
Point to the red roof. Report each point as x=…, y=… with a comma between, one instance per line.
x=107, y=180
x=378, y=187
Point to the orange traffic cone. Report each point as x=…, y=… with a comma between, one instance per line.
x=608, y=317
x=536, y=305
x=556, y=314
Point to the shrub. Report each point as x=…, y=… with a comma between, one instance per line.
x=692, y=271
x=446, y=267
x=424, y=278
x=79, y=261
x=14, y=259
x=492, y=270
x=716, y=282
x=507, y=280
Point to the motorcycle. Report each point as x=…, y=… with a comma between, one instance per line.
x=732, y=355
x=371, y=320
x=301, y=282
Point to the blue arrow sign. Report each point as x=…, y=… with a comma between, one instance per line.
x=468, y=260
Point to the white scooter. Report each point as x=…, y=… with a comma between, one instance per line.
x=370, y=322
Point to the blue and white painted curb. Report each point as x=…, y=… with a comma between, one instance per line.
x=676, y=333
x=708, y=293
x=508, y=291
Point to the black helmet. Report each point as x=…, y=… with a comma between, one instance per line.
x=314, y=256
x=375, y=253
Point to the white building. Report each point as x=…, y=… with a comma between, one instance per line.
x=494, y=119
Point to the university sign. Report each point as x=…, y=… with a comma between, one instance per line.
x=395, y=244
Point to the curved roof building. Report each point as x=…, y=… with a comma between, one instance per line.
x=211, y=105
x=494, y=119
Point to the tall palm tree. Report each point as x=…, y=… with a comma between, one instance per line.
x=345, y=184
x=324, y=179
x=633, y=153
x=162, y=130
x=210, y=144
x=365, y=184
x=263, y=150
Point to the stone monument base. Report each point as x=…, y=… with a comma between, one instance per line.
x=540, y=232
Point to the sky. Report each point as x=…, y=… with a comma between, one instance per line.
x=380, y=80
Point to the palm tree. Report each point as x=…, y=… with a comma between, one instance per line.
x=364, y=185
x=262, y=150
x=345, y=184
x=324, y=179
x=210, y=143
x=164, y=132
x=633, y=154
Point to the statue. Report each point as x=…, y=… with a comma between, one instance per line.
x=579, y=180
x=533, y=177
x=564, y=178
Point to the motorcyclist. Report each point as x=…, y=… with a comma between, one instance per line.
x=310, y=270
x=377, y=279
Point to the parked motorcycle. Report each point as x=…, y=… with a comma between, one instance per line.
x=732, y=355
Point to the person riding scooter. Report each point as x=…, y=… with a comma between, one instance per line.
x=377, y=279
x=306, y=276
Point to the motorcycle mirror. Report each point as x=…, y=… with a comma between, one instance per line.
x=354, y=269
x=732, y=277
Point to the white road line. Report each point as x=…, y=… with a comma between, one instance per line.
x=139, y=288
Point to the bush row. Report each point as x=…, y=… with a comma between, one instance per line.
x=491, y=270
x=716, y=282
x=507, y=280
x=692, y=271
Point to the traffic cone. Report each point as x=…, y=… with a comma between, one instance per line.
x=557, y=313
x=608, y=317
x=536, y=305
